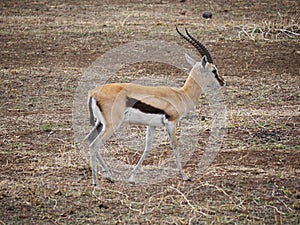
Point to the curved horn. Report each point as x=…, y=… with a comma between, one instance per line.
x=197, y=44
x=201, y=48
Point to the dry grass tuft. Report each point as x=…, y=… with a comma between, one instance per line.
x=284, y=26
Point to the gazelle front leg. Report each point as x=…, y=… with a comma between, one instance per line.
x=149, y=138
x=171, y=127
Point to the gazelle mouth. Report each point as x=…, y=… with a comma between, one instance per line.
x=221, y=81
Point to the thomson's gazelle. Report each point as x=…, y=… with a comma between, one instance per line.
x=112, y=104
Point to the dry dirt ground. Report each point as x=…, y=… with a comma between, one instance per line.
x=47, y=45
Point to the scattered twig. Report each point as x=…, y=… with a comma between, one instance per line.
x=188, y=202
x=286, y=25
x=247, y=202
x=124, y=21
x=118, y=192
x=288, y=31
x=185, y=198
x=93, y=192
x=277, y=210
x=55, y=203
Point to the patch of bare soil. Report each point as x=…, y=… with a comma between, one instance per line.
x=45, y=49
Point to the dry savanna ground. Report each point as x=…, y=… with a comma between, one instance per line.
x=47, y=45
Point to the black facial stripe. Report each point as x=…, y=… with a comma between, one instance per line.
x=218, y=77
x=220, y=80
x=143, y=107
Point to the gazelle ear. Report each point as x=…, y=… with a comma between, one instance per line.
x=190, y=60
x=203, y=61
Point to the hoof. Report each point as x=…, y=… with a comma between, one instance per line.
x=186, y=178
x=107, y=176
x=131, y=180
x=95, y=185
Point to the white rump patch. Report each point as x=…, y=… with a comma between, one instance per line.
x=97, y=114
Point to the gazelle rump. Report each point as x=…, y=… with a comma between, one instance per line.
x=154, y=106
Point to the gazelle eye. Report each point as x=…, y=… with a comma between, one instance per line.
x=214, y=71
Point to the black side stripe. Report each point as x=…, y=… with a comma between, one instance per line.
x=143, y=107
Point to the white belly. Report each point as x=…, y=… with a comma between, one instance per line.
x=137, y=117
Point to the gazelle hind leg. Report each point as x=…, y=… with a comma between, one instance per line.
x=98, y=131
x=95, y=132
x=148, y=145
x=94, y=169
x=104, y=166
x=171, y=128
x=94, y=154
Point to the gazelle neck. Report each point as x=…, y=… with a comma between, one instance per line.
x=192, y=86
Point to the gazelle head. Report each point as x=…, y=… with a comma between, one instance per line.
x=208, y=73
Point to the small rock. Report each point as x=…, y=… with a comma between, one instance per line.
x=182, y=12
x=10, y=208
x=207, y=15
x=102, y=206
